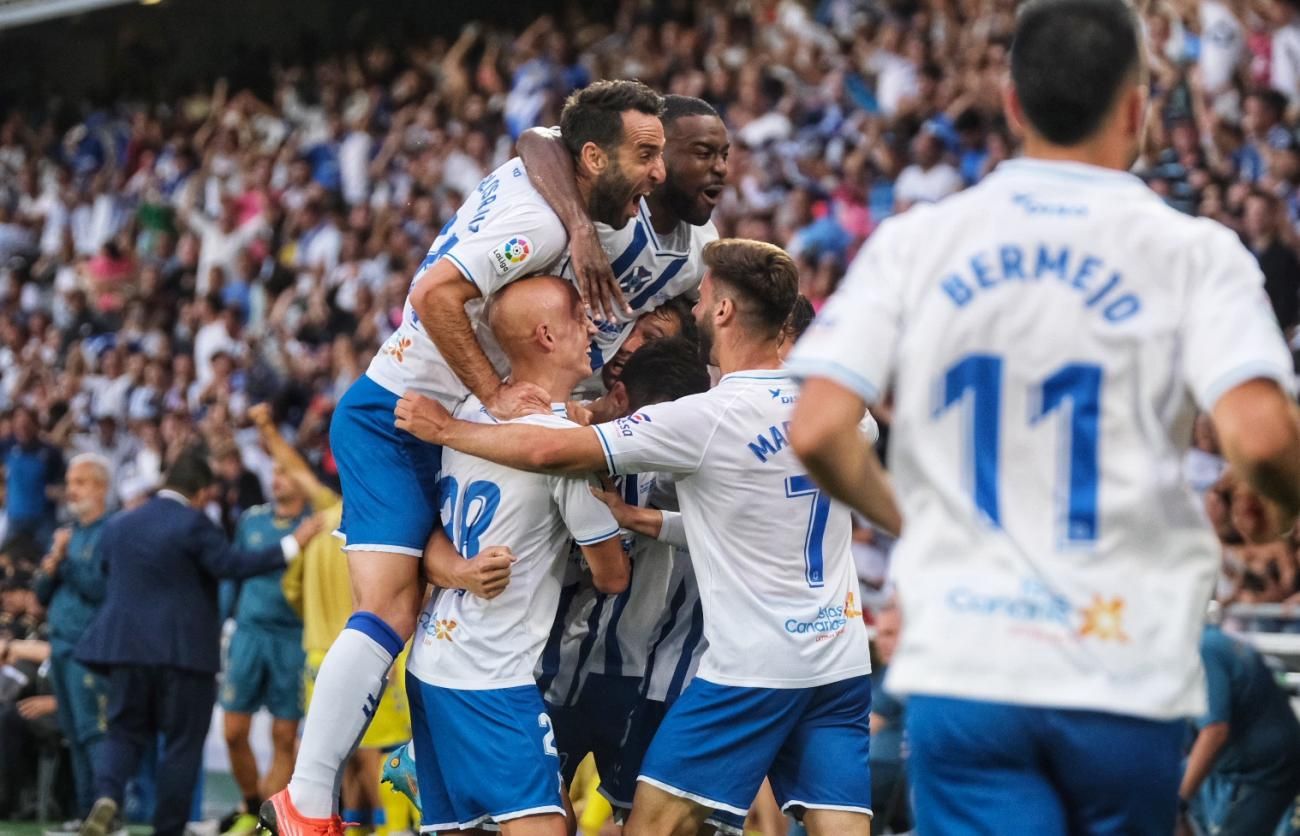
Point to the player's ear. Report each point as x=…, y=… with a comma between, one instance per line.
x=544, y=338
x=1012, y=108
x=1135, y=110
x=725, y=311
x=594, y=158
x=618, y=398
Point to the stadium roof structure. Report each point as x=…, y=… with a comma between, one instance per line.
x=20, y=12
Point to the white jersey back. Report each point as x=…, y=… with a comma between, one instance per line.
x=770, y=551
x=505, y=230
x=596, y=633
x=1049, y=334
x=651, y=269
x=470, y=643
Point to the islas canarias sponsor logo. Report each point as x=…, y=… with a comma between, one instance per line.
x=829, y=621
x=437, y=629
x=1034, y=605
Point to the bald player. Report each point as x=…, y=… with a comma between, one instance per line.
x=486, y=751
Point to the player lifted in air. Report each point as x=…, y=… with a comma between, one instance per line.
x=782, y=689
x=1049, y=336
x=484, y=745
x=443, y=349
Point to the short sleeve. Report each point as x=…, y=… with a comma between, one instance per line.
x=854, y=340
x=1216, y=657
x=588, y=519
x=1230, y=334
x=515, y=242
x=670, y=437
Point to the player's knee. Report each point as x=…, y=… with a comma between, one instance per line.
x=284, y=735
x=236, y=730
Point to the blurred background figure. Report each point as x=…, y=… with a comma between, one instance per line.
x=70, y=584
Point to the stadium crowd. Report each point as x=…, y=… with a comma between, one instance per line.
x=165, y=266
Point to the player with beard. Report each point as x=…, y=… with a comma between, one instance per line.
x=657, y=256
x=444, y=350
x=782, y=690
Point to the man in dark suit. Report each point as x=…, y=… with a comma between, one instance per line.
x=157, y=637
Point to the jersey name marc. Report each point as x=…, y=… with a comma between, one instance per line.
x=776, y=578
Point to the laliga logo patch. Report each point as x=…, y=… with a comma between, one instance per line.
x=511, y=253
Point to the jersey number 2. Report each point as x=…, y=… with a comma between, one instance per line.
x=979, y=378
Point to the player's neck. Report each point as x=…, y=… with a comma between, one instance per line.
x=663, y=219
x=557, y=384
x=288, y=509
x=738, y=355
x=1101, y=152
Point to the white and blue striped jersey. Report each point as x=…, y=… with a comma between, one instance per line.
x=1049, y=335
x=505, y=230
x=678, y=636
x=651, y=269
x=595, y=633
x=469, y=643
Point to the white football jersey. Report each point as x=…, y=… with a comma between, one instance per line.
x=1049, y=335
x=469, y=643
x=770, y=551
x=651, y=269
x=505, y=230
x=608, y=634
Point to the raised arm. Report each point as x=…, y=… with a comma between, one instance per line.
x=825, y=436
x=550, y=170
x=521, y=446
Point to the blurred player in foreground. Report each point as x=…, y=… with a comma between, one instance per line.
x=1049, y=335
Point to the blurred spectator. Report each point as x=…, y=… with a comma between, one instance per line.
x=265, y=657
x=33, y=476
x=1249, y=739
x=889, y=795
x=1262, y=225
x=161, y=660
x=71, y=584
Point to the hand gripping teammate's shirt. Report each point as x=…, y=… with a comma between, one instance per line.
x=1049, y=351
x=466, y=642
x=503, y=232
x=771, y=552
x=650, y=268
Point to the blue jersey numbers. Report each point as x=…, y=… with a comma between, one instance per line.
x=1073, y=392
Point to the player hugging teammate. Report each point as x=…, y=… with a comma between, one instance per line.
x=692, y=621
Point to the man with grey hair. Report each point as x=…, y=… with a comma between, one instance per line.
x=70, y=583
